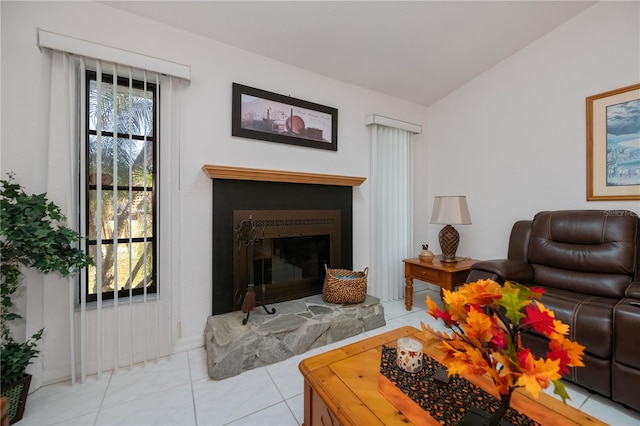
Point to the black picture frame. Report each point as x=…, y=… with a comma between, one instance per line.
x=268, y=116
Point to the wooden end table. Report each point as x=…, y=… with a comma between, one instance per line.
x=446, y=275
x=341, y=388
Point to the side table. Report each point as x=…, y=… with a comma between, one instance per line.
x=446, y=275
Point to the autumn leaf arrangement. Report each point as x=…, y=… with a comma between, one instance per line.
x=486, y=321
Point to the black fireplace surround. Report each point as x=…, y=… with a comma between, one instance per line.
x=231, y=195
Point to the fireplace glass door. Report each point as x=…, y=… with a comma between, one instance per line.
x=283, y=252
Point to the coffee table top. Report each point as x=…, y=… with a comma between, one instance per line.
x=347, y=381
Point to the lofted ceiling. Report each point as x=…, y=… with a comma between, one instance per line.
x=415, y=50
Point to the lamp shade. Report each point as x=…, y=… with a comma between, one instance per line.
x=450, y=210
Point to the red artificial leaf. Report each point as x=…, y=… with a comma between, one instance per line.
x=538, y=290
x=540, y=321
x=557, y=353
x=436, y=312
x=499, y=341
x=567, y=352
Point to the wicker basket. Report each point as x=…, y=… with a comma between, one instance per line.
x=16, y=395
x=344, y=286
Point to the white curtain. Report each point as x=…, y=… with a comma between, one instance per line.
x=391, y=209
x=100, y=336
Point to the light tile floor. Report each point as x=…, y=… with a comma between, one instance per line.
x=177, y=390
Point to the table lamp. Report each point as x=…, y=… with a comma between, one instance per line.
x=450, y=210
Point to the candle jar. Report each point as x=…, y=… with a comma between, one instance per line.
x=409, y=355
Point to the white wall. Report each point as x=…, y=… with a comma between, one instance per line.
x=514, y=140
x=206, y=138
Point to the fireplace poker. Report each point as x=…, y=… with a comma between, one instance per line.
x=249, y=301
x=249, y=240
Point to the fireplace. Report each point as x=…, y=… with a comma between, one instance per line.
x=297, y=222
x=283, y=252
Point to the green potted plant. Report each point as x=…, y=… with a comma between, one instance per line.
x=32, y=235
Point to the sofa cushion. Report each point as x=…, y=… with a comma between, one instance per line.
x=626, y=337
x=594, y=284
x=595, y=375
x=625, y=385
x=571, y=242
x=590, y=318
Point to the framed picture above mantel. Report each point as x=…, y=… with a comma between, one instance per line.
x=267, y=116
x=613, y=145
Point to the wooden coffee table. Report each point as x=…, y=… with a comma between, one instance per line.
x=446, y=275
x=341, y=388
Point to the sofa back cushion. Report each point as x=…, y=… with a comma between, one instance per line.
x=589, y=251
x=519, y=241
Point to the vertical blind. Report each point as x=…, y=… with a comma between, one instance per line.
x=391, y=209
x=108, y=334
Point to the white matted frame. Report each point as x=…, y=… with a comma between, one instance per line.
x=613, y=145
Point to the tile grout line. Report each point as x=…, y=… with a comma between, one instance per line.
x=104, y=397
x=193, y=394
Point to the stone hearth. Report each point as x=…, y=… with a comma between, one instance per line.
x=297, y=326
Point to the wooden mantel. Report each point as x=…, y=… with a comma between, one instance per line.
x=242, y=173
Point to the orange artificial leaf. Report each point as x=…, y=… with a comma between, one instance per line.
x=537, y=374
x=478, y=326
x=507, y=374
x=476, y=358
x=462, y=361
x=560, y=327
x=432, y=336
x=482, y=293
x=569, y=353
x=456, y=305
x=530, y=383
x=436, y=312
x=432, y=307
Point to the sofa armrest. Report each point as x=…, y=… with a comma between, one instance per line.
x=506, y=269
x=633, y=290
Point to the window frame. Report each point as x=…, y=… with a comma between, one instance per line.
x=147, y=87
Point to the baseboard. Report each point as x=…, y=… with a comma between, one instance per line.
x=64, y=374
x=188, y=343
x=56, y=376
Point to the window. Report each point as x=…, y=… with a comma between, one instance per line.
x=120, y=203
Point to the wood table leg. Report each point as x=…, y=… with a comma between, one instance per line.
x=408, y=293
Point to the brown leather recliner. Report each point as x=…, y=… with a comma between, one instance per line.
x=587, y=262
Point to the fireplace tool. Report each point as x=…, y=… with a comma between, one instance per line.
x=246, y=236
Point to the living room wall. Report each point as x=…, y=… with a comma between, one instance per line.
x=513, y=140
x=205, y=139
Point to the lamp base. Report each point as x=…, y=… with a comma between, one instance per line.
x=449, y=239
